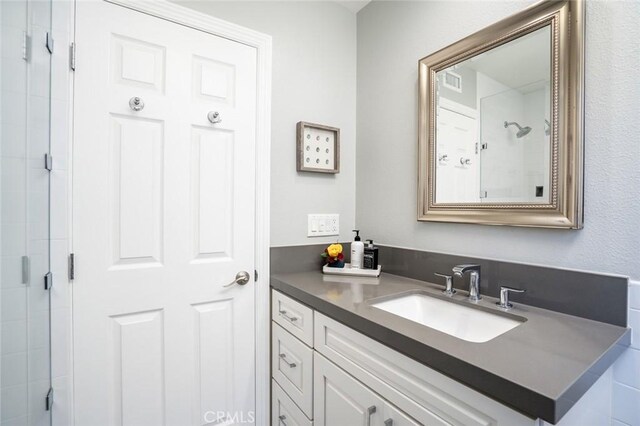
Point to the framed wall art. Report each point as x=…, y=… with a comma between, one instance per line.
x=318, y=148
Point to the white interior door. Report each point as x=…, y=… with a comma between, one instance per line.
x=163, y=217
x=457, y=178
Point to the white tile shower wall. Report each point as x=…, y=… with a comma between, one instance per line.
x=13, y=106
x=499, y=104
x=626, y=371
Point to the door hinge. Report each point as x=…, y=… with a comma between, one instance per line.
x=25, y=270
x=26, y=46
x=255, y=275
x=48, y=162
x=72, y=266
x=483, y=194
x=72, y=56
x=48, y=281
x=49, y=400
x=484, y=146
x=49, y=43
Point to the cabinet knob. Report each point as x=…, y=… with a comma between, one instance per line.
x=388, y=422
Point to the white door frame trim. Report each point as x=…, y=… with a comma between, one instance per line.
x=262, y=43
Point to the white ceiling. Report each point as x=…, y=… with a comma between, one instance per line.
x=512, y=65
x=353, y=5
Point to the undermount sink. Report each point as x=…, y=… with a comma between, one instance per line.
x=464, y=322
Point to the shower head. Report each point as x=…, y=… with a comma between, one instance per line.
x=522, y=131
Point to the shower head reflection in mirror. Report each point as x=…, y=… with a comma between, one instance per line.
x=522, y=131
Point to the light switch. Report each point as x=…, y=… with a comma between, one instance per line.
x=322, y=225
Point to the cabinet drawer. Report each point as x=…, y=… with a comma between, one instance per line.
x=284, y=412
x=413, y=387
x=296, y=318
x=292, y=367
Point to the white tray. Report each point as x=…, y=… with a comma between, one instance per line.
x=354, y=272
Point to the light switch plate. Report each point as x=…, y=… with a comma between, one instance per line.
x=322, y=225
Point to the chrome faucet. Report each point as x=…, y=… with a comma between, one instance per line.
x=474, y=279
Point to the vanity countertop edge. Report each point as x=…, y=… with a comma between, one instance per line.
x=540, y=368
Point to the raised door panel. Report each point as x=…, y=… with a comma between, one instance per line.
x=340, y=400
x=212, y=159
x=137, y=369
x=137, y=63
x=214, y=358
x=136, y=195
x=213, y=80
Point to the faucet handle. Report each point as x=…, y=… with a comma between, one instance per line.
x=449, y=290
x=504, y=296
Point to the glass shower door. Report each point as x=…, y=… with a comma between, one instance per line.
x=514, y=147
x=25, y=64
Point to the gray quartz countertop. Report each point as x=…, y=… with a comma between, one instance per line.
x=540, y=368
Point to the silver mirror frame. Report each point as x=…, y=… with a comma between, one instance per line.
x=565, y=209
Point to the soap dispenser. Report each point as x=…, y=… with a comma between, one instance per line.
x=357, y=251
x=370, y=260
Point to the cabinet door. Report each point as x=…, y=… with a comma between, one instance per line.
x=340, y=400
x=392, y=416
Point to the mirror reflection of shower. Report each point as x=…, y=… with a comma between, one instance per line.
x=522, y=131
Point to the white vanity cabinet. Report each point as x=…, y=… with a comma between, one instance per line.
x=416, y=391
x=327, y=374
x=341, y=400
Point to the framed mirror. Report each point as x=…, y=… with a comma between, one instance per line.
x=501, y=123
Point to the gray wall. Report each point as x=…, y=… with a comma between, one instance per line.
x=393, y=36
x=314, y=79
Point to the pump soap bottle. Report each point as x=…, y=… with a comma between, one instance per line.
x=370, y=260
x=357, y=251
